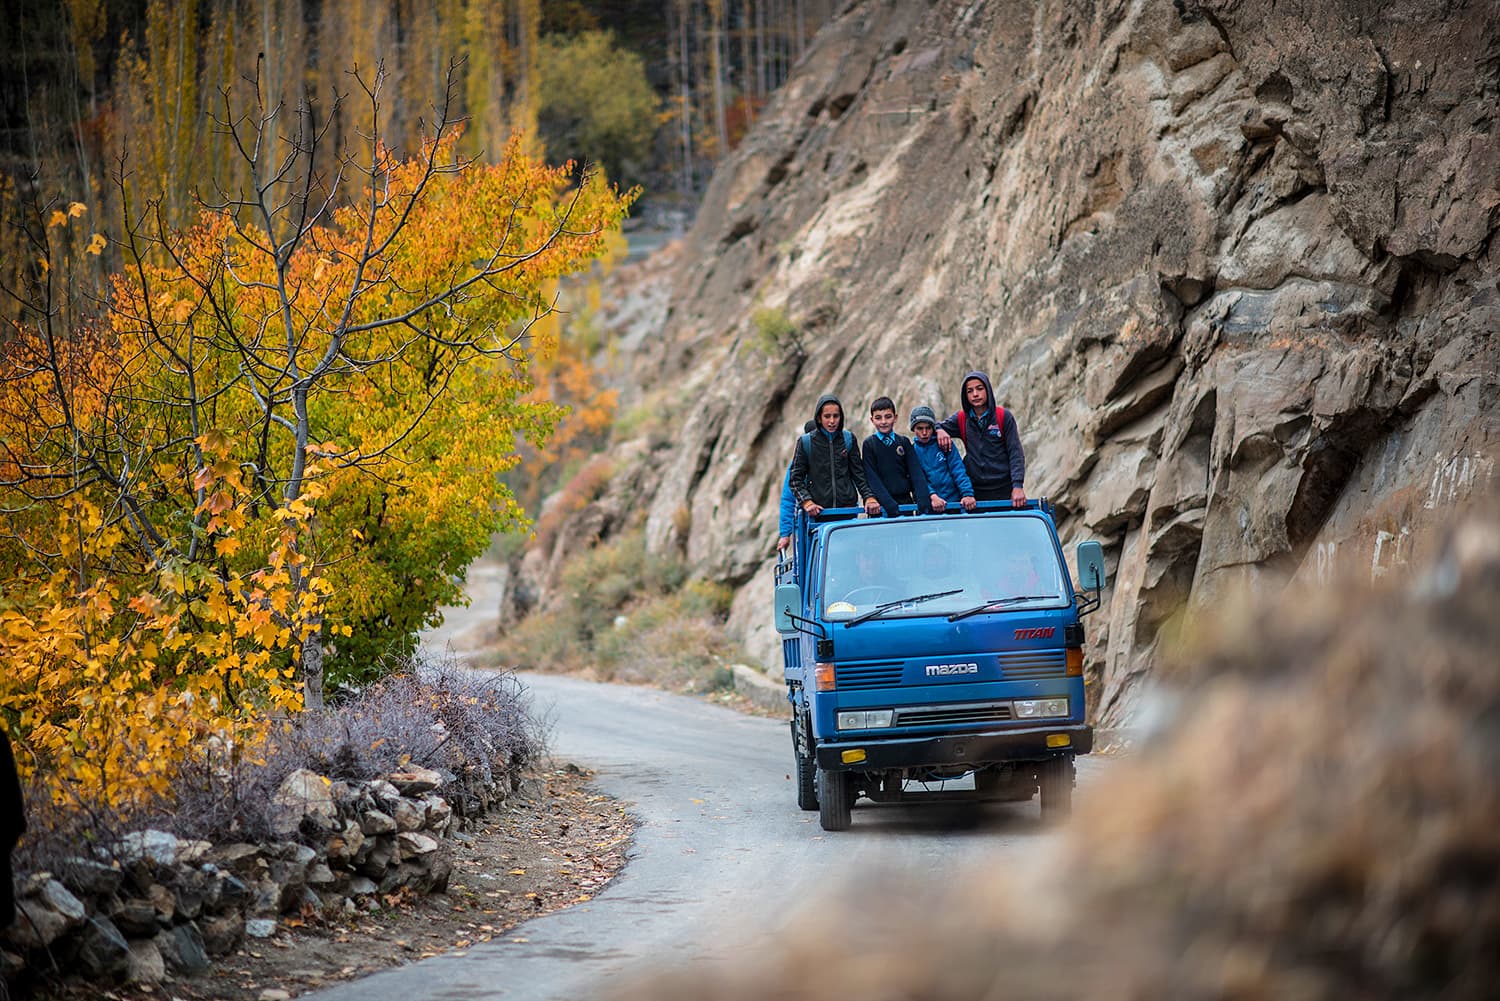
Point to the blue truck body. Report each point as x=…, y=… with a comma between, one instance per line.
x=924, y=648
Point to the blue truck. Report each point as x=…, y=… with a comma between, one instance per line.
x=925, y=648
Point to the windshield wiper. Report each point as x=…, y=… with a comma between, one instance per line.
x=998, y=602
x=881, y=609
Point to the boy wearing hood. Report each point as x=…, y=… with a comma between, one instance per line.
x=992, y=445
x=944, y=468
x=827, y=470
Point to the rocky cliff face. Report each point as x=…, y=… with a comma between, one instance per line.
x=1230, y=262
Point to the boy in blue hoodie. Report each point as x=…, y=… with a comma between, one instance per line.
x=946, y=476
x=787, y=517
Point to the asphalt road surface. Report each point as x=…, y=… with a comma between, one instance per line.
x=722, y=858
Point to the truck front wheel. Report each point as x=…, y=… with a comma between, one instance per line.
x=807, y=789
x=1055, y=780
x=834, y=801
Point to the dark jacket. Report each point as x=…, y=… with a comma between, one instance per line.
x=895, y=475
x=12, y=825
x=992, y=449
x=828, y=470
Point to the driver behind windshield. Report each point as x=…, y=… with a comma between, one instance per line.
x=862, y=581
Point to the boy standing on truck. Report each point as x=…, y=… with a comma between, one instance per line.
x=891, y=464
x=827, y=470
x=944, y=468
x=788, y=510
x=992, y=444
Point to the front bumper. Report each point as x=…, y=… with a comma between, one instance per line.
x=970, y=749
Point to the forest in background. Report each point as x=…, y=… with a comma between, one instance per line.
x=105, y=101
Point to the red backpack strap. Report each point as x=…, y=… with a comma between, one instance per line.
x=963, y=416
x=1000, y=418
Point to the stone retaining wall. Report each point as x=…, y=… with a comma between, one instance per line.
x=152, y=903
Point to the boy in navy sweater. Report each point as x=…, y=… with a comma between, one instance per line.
x=891, y=465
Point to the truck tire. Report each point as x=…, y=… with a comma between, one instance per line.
x=807, y=783
x=1003, y=787
x=1055, y=781
x=833, y=800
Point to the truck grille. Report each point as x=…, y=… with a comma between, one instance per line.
x=878, y=675
x=974, y=712
x=1038, y=664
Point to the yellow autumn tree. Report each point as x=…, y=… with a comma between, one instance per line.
x=286, y=432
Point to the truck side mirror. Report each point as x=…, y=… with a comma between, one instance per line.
x=788, y=603
x=1091, y=575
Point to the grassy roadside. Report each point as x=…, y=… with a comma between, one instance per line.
x=626, y=615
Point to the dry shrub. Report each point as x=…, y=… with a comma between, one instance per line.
x=1318, y=819
x=477, y=728
x=582, y=489
x=630, y=615
x=675, y=640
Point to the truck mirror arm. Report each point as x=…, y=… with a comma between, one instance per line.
x=816, y=629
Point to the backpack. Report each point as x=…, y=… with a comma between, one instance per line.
x=806, y=442
x=963, y=420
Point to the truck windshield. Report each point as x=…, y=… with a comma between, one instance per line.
x=940, y=566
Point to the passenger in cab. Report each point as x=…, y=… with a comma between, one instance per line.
x=992, y=444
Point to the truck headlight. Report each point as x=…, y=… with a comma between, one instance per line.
x=1035, y=708
x=864, y=719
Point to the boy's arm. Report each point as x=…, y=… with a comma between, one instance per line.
x=857, y=472
x=797, y=476
x=1017, y=458
x=921, y=490
x=961, y=479
x=947, y=430
x=877, y=486
x=788, y=511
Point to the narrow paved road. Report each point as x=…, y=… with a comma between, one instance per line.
x=722, y=857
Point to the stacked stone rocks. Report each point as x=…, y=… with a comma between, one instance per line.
x=151, y=904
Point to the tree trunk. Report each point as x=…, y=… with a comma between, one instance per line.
x=312, y=669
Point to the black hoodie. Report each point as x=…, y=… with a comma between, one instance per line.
x=828, y=470
x=992, y=449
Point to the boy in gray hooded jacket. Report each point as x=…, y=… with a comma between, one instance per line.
x=992, y=445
